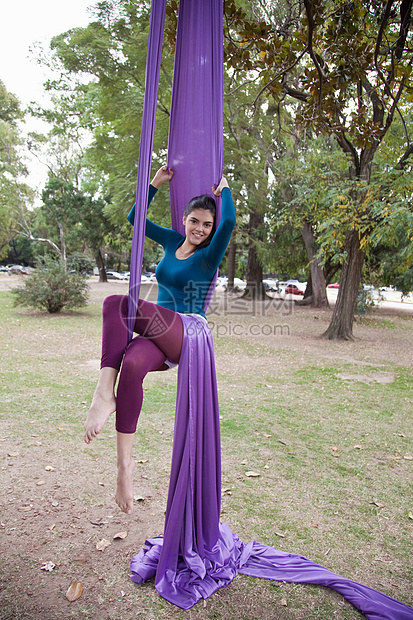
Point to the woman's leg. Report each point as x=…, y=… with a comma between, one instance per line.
x=142, y=356
x=103, y=403
x=114, y=341
x=160, y=325
x=126, y=464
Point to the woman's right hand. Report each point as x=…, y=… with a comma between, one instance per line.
x=163, y=175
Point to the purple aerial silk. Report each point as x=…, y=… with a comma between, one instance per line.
x=196, y=147
x=153, y=64
x=198, y=554
x=196, y=134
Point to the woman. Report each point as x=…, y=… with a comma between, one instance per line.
x=183, y=275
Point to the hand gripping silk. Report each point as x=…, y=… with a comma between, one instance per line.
x=197, y=553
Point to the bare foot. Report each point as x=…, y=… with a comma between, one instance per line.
x=124, y=488
x=99, y=411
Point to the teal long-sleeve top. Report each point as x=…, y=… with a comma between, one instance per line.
x=183, y=284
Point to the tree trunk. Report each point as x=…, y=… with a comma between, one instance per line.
x=341, y=326
x=255, y=288
x=232, y=253
x=307, y=300
x=318, y=283
x=62, y=245
x=101, y=266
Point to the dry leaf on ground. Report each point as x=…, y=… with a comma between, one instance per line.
x=102, y=544
x=49, y=468
x=252, y=474
x=121, y=535
x=74, y=592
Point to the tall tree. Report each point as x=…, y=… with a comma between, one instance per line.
x=348, y=66
x=15, y=194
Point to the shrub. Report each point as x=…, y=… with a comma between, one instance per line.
x=82, y=263
x=51, y=288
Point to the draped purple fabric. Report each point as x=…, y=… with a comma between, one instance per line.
x=198, y=554
x=153, y=64
x=196, y=135
x=195, y=149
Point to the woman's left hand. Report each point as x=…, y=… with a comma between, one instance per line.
x=218, y=189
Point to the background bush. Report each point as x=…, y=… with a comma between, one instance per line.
x=82, y=263
x=51, y=288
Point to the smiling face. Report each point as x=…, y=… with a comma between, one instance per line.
x=198, y=226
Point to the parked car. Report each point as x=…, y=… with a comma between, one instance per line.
x=17, y=269
x=271, y=285
x=114, y=275
x=239, y=283
x=222, y=281
x=293, y=289
x=335, y=285
x=126, y=274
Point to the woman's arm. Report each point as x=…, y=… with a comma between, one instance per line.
x=216, y=249
x=151, y=194
x=153, y=231
x=163, y=175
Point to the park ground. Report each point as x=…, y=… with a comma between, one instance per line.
x=328, y=426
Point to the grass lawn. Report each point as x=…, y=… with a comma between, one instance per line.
x=328, y=426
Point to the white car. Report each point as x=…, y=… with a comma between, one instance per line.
x=114, y=275
x=270, y=284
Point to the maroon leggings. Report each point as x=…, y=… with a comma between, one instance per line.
x=160, y=333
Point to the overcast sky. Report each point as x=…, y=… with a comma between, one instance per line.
x=23, y=23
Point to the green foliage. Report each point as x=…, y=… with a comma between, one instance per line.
x=14, y=193
x=20, y=252
x=295, y=72
x=51, y=288
x=81, y=263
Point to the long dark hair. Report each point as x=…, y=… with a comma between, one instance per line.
x=207, y=203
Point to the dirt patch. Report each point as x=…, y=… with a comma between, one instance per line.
x=377, y=378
